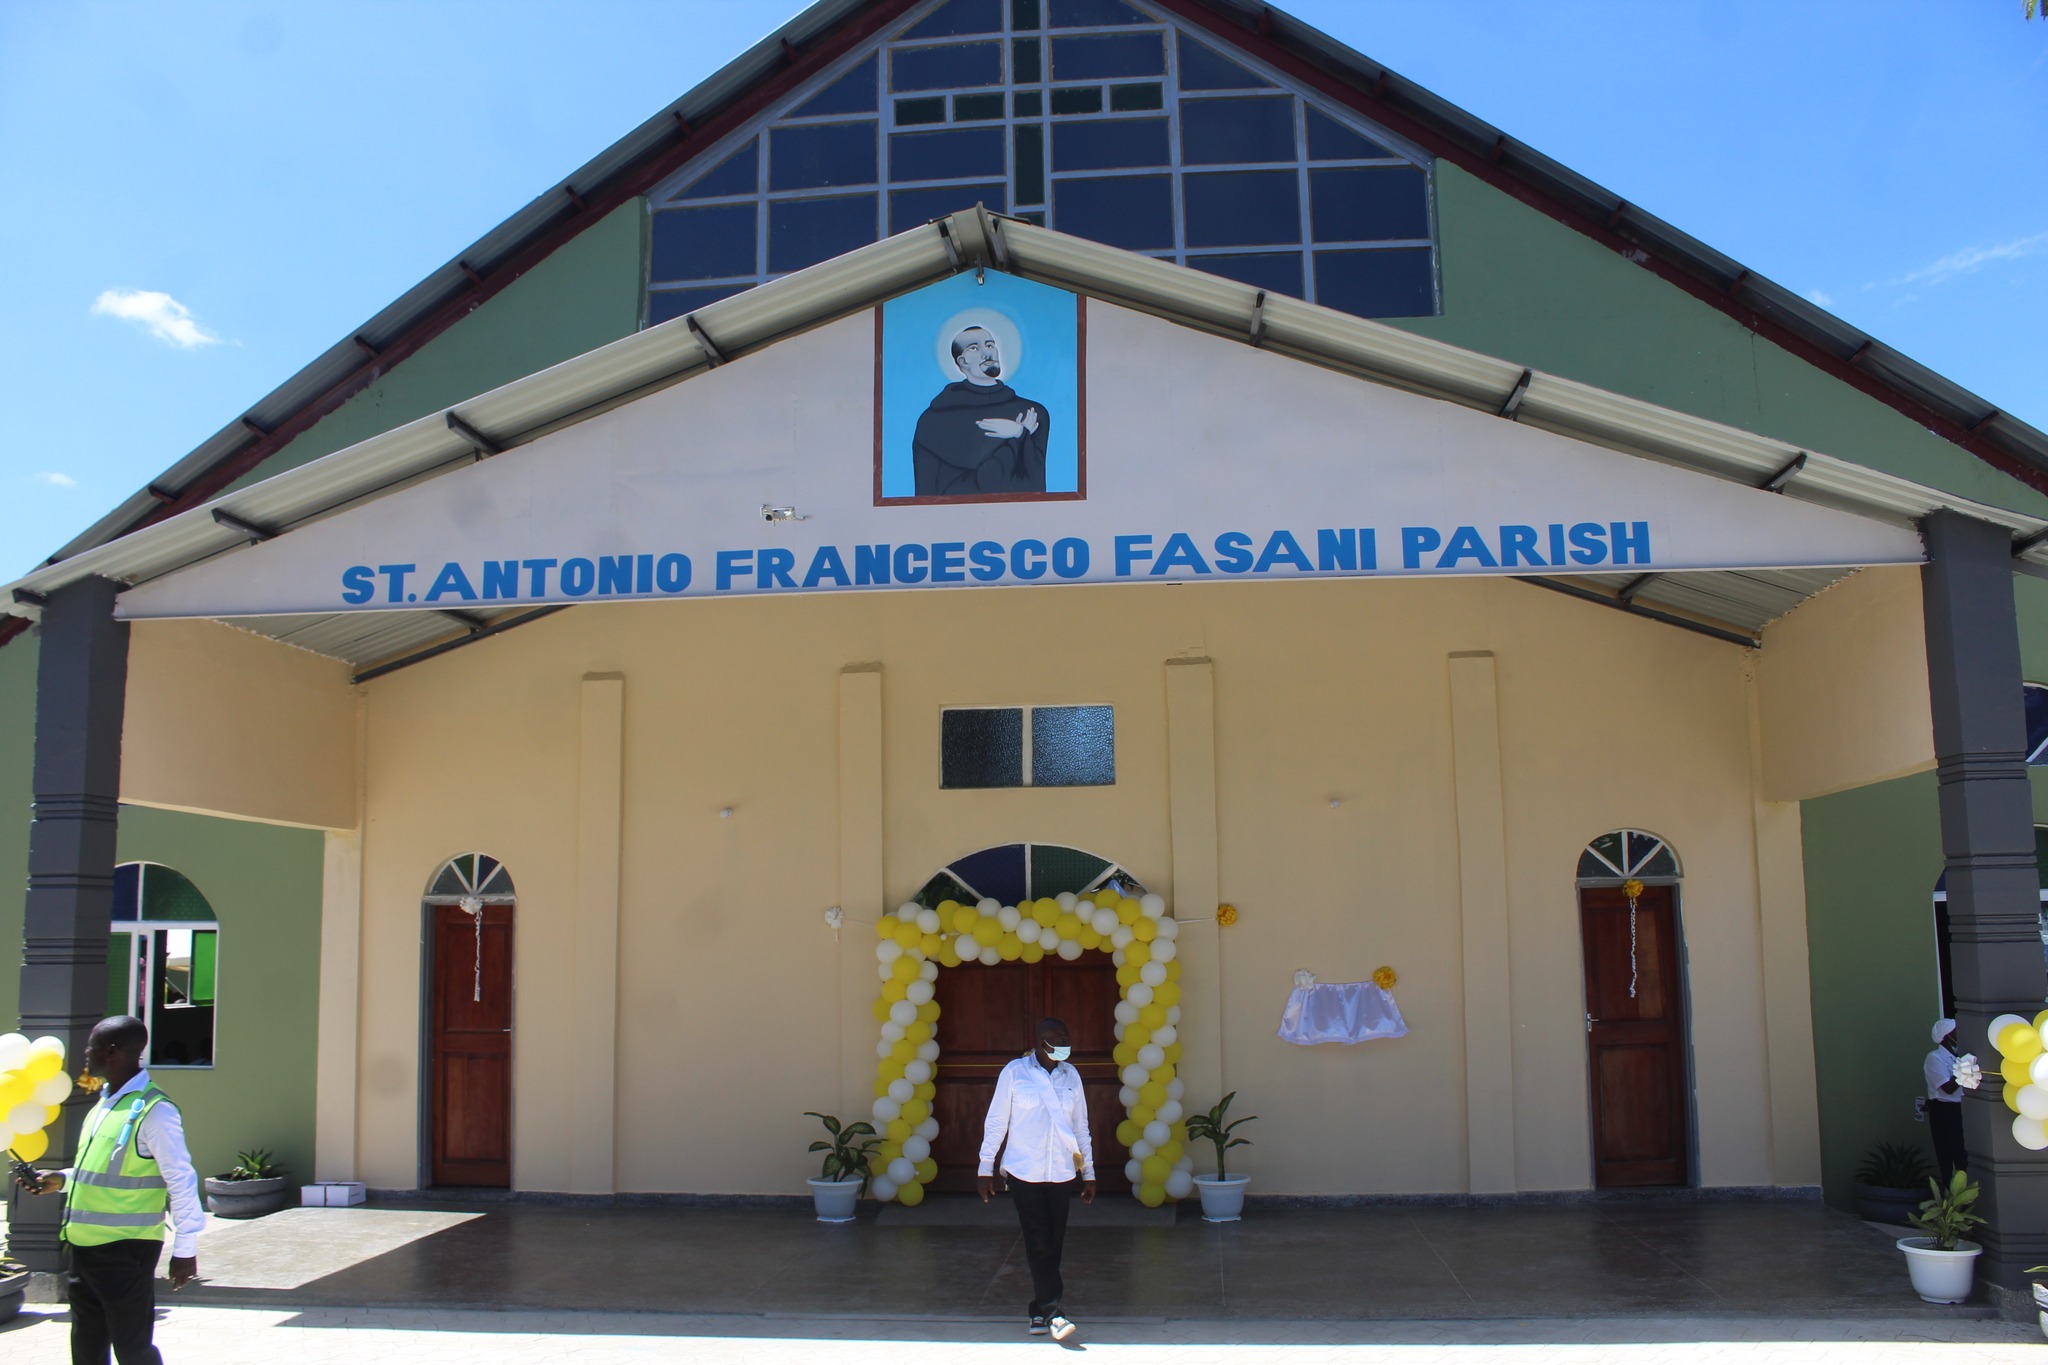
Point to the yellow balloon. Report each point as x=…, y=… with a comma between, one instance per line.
x=1088, y=938
x=988, y=932
x=1046, y=910
x=1178, y=1130
x=1137, y=954
x=1151, y=1196
x=1145, y=930
x=1137, y=1035
x=1129, y=1131
x=1172, y=1051
x=1172, y=1152
x=885, y=927
x=30, y=1146
x=929, y=944
x=1127, y=912
x=2014, y=1070
x=927, y=1171
x=1068, y=925
x=927, y=1092
x=15, y=1088
x=882, y=1008
x=906, y=932
x=40, y=1066
x=894, y=989
x=887, y=1152
x=890, y=1069
x=965, y=917
x=2021, y=1041
x=949, y=955
x=2012, y=1097
x=911, y=1195
x=898, y=1131
x=919, y=1032
x=1173, y=973
x=1142, y=1114
x=904, y=969
x=1153, y=1015
x=1167, y=996
x=929, y=1011
x=881, y=1086
x=1155, y=1169
x=1152, y=1093
x=914, y=1112
x=1123, y=1054
x=1009, y=947
x=1127, y=977
x=1033, y=952
x=902, y=1050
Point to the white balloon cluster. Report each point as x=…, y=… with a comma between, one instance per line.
x=32, y=1086
x=2023, y=1053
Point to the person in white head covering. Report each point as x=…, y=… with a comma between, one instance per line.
x=1945, y=1101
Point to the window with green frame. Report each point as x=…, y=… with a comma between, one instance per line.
x=163, y=964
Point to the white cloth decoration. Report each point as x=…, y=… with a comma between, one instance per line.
x=1346, y=1012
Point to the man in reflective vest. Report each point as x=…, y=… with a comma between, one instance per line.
x=132, y=1170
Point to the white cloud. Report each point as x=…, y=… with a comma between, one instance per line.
x=1824, y=299
x=57, y=480
x=1967, y=261
x=157, y=313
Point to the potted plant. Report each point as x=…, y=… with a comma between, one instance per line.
x=1889, y=1181
x=837, y=1188
x=2040, y=1298
x=1941, y=1263
x=251, y=1188
x=1222, y=1193
x=13, y=1288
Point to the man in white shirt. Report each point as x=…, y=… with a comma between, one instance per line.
x=132, y=1169
x=1038, y=1121
x=1946, y=1080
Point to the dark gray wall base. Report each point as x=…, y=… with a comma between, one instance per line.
x=1719, y=1194
x=563, y=1199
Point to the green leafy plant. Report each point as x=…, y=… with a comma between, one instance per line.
x=1948, y=1216
x=255, y=1165
x=1895, y=1166
x=1210, y=1127
x=851, y=1150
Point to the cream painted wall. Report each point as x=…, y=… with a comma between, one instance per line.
x=733, y=995
x=224, y=722
x=1842, y=688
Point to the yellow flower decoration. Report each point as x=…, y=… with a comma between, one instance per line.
x=1226, y=915
x=1384, y=978
x=1632, y=888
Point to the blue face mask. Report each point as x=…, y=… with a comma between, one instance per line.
x=1058, y=1054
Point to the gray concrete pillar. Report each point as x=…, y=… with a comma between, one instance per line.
x=1987, y=838
x=81, y=687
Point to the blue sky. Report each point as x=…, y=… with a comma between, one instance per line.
x=206, y=195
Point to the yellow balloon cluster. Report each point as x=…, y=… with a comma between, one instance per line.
x=916, y=941
x=2023, y=1062
x=32, y=1087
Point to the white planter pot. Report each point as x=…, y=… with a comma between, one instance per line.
x=1222, y=1200
x=1940, y=1276
x=835, y=1199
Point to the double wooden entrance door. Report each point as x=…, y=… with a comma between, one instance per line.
x=1635, y=1038
x=470, y=1047
x=988, y=1017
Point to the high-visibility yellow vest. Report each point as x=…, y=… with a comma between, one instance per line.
x=115, y=1193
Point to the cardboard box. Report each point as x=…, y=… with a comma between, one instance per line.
x=332, y=1194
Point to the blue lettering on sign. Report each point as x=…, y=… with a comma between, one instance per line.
x=1129, y=550
x=1234, y=552
x=451, y=579
x=825, y=564
x=731, y=564
x=1070, y=557
x=358, y=585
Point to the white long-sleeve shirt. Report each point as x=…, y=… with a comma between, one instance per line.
x=1044, y=1115
x=161, y=1136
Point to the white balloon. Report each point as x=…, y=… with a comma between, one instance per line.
x=1166, y=1035
x=26, y=1117
x=988, y=907
x=903, y=1170
x=49, y=1042
x=1142, y=1149
x=891, y=1030
x=1173, y=1014
x=1134, y=1170
x=907, y=912
x=1135, y=1075
x=1170, y=1112
x=882, y=1188
x=990, y=955
x=903, y=1091
x=887, y=1110
x=917, y=1072
x=1179, y=1184
x=1127, y=1013
x=1009, y=918
x=1029, y=930
x=1169, y=929
x=1153, y=904
x=1121, y=939
x=1119, y=1031
x=1127, y=1097
x=888, y=950
x=1164, y=950
x=2031, y=1134
x=1105, y=921
x=1069, y=949
x=1158, y=1134
x=885, y=970
x=1186, y=1163
x=1176, y=1089
x=927, y=921
x=928, y=1050
x=1153, y=974
x=1117, y=956
x=885, y=1047
x=928, y=970
x=903, y=1012
x=1139, y=994
x=918, y=991
x=916, y=1148
x=1151, y=1056
x=2032, y=1100
x=926, y=1128
x=13, y=1050
x=1066, y=900
x=2037, y=1071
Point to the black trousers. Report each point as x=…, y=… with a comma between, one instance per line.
x=1945, y=1126
x=113, y=1302
x=1042, y=1212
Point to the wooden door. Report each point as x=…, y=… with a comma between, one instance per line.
x=470, y=1044
x=1635, y=1042
x=988, y=1017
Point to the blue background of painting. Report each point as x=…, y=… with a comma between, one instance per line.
x=1046, y=318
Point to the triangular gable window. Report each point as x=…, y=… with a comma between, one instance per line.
x=1101, y=118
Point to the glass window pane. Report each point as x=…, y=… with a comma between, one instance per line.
x=923, y=109
x=997, y=872
x=1131, y=211
x=1108, y=144
x=1026, y=66
x=803, y=232
x=951, y=155
x=1368, y=203
x=2037, y=732
x=180, y=1029
x=703, y=244
x=1028, y=160
x=1094, y=13
x=853, y=93
x=1329, y=140
x=1591, y=867
x=981, y=747
x=127, y=891
x=1097, y=56
x=1085, y=99
x=909, y=208
x=1276, y=272
x=968, y=108
x=1055, y=869
x=942, y=888
x=1637, y=846
x=1025, y=14
x=1131, y=98
x=944, y=68
x=205, y=965
x=814, y=155
x=169, y=894
x=664, y=305
x=737, y=174
x=1202, y=68
x=1223, y=132
x=1607, y=855
x=1027, y=104
x=960, y=16
x=1242, y=208
x=1660, y=864
x=1073, y=746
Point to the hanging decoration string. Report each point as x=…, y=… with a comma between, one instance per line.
x=474, y=908
x=1632, y=889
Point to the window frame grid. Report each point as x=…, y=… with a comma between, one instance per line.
x=144, y=932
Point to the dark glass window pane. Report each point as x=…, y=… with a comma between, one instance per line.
x=853, y=93
x=1223, y=132
x=1591, y=867
x=961, y=16
x=1131, y=98
x=981, y=748
x=1055, y=869
x=908, y=208
x=1025, y=67
x=1029, y=158
x=1201, y=68
x=1329, y=140
x=1368, y=203
x=811, y=156
x=2037, y=724
x=803, y=232
x=703, y=244
x=1073, y=746
x=128, y=892
x=951, y=155
x=665, y=304
x=1276, y=272
x=1094, y=13
x=997, y=872
x=1095, y=56
x=1660, y=864
x=1024, y=14
x=1242, y=208
x=737, y=174
x=1036, y=216
x=1110, y=144
x=938, y=68
x=1027, y=104
x=1086, y=99
x=1376, y=284
x=1131, y=211
x=967, y=108
x=923, y=109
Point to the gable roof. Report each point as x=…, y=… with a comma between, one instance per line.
x=801, y=49
x=601, y=380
